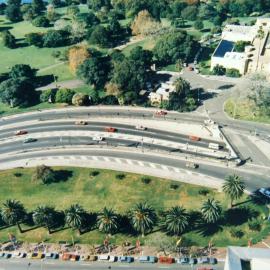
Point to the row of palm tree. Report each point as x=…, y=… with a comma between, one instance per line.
x=142, y=217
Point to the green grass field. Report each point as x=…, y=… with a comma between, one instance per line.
x=95, y=192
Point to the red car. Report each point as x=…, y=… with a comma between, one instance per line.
x=161, y=113
x=110, y=129
x=20, y=132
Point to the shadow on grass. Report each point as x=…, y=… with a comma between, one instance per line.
x=62, y=175
x=90, y=222
x=209, y=229
x=5, y=28
x=259, y=199
x=43, y=80
x=238, y=216
x=125, y=226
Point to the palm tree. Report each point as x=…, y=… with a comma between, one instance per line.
x=260, y=36
x=176, y=220
x=13, y=212
x=75, y=217
x=44, y=216
x=211, y=210
x=107, y=221
x=143, y=218
x=233, y=187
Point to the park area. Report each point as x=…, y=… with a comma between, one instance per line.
x=96, y=189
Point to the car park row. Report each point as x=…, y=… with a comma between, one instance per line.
x=107, y=258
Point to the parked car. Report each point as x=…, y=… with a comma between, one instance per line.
x=66, y=256
x=192, y=165
x=203, y=260
x=140, y=127
x=265, y=192
x=74, y=257
x=81, y=123
x=84, y=257
x=213, y=260
x=19, y=255
x=194, y=138
x=126, y=259
x=92, y=258
x=113, y=259
x=193, y=261
x=36, y=255
x=183, y=260
x=110, y=129
x=103, y=257
x=7, y=255
x=168, y=260
x=160, y=113
x=29, y=140
x=205, y=268
x=97, y=138
x=20, y=132
x=2, y=254
x=51, y=255
x=190, y=68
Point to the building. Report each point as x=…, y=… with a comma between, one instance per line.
x=256, y=56
x=246, y=258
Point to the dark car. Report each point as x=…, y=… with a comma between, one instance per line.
x=213, y=260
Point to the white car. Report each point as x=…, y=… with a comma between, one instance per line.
x=140, y=127
x=265, y=192
x=97, y=138
x=19, y=255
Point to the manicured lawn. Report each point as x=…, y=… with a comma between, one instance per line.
x=244, y=110
x=147, y=43
x=104, y=189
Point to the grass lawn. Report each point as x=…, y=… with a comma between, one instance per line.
x=244, y=110
x=104, y=189
x=147, y=44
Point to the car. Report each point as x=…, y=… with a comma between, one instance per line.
x=29, y=140
x=7, y=255
x=113, y=259
x=19, y=255
x=203, y=260
x=140, y=127
x=2, y=254
x=84, y=257
x=36, y=255
x=192, y=165
x=66, y=256
x=74, y=257
x=110, y=129
x=205, y=268
x=168, y=260
x=213, y=260
x=265, y=192
x=51, y=255
x=20, y=132
x=183, y=260
x=103, y=257
x=192, y=261
x=81, y=123
x=126, y=259
x=161, y=112
x=92, y=258
x=194, y=138
x=190, y=68
x=98, y=138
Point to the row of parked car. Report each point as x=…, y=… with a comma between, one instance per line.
x=107, y=258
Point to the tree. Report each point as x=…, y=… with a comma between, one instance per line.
x=190, y=13
x=64, y=95
x=260, y=36
x=75, y=217
x=199, y=25
x=76, y=56
x=174, y=46
x=94, y=71
x=38, y=6
x=219, y=70
x=13, y=11
x=13, y=212
x=44, y=216
x=73, y=10
x=175, y=220
x=19, y=92
x=107, y=221
x=22, y=70
x=143, y=218
x=45, y=174
x=100, y=36
x=233, y=187
x=144, y=24
x=35, y=39
x=80, y=99
x=55, y=38
x=41, y=21
x=240, y=46
x=211, y=211
x=8, y=40
x=141, y=56
x=232, y=72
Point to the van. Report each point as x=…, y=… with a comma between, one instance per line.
x=214, y=146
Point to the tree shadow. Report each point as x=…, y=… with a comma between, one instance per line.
x=205, y=30
x=238, y=216
x=226, y=86
x=241, y=203
x=43, y=80
x=259, y=199
x=209, y=229
x=62, y=175
x=5, y=28
x=89, y=223
x=125, y=226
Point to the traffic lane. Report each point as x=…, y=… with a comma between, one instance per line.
x=58, y=265
x=67, y=141
x=149, y=133
x=253, y=181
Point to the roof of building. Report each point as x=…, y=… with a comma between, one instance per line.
x=223, y=47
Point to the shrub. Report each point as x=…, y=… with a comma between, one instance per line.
x=146, y=180
x=80, y=99
x=232, y=72
x=219, y=70
x=94, y=173
x=236, y=233
x=56, y=54
x=174, y=186
x=44, y=174
x=41, y=21
x=120, y=176
x=48, y=95
x=203, y=191
x=64, y=95
x=254, y=225
x=18, y=174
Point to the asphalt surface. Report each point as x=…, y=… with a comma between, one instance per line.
x=59, y=265
x=252, y=180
